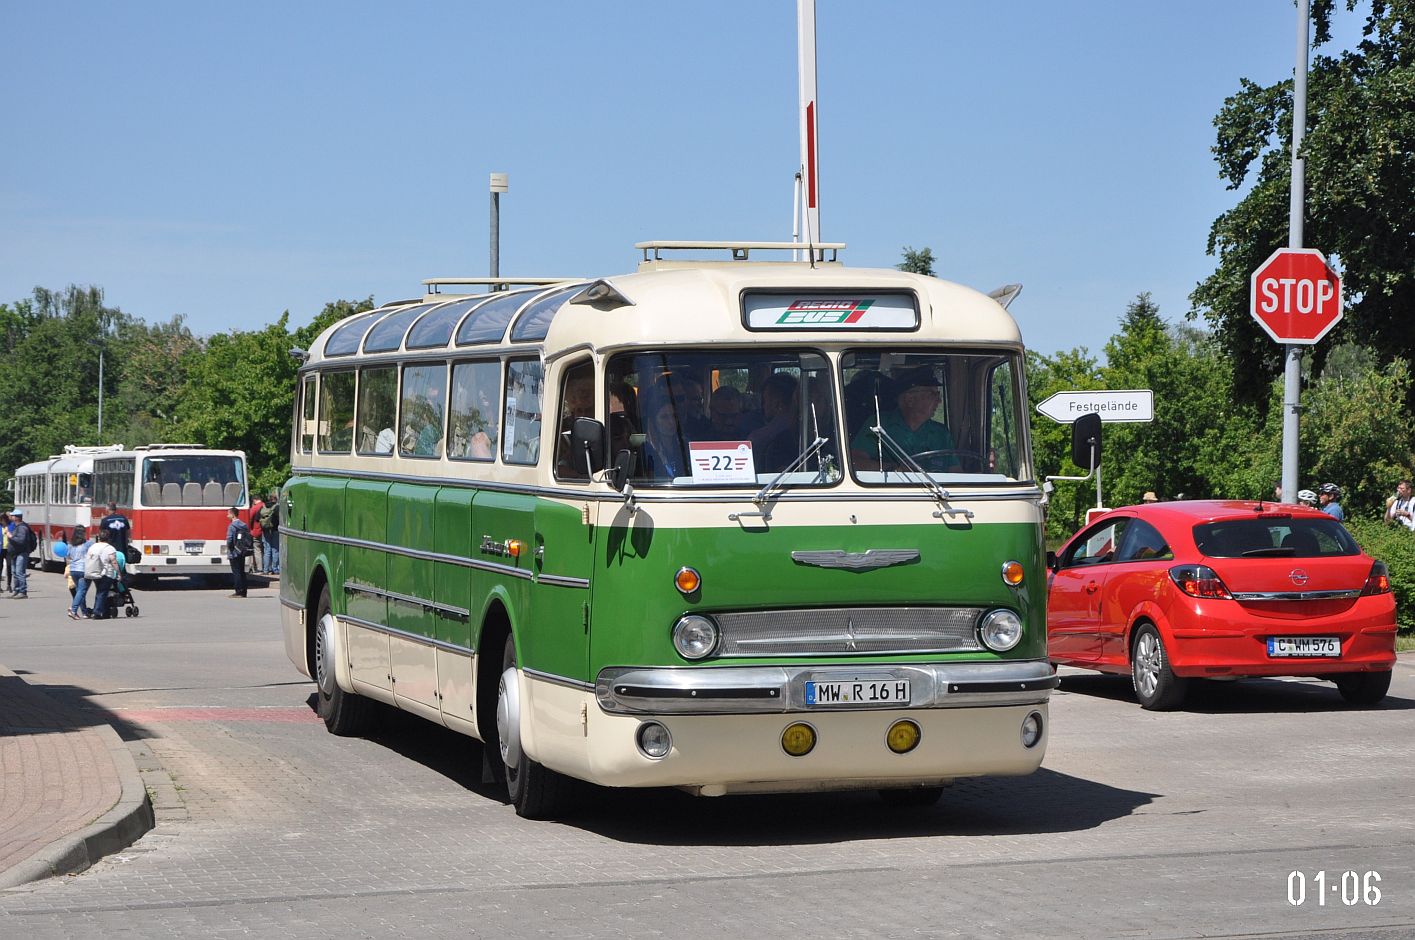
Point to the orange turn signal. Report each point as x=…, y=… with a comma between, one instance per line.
x=687, y=580
x=1012, y=573
x=515, y=548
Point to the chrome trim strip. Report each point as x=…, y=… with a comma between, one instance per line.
x=1295, y=595
x=291, y=604
x=745, y=690
x=410, y=552
x=447, y=610
x=405, y=635
x=578, y=685
x=563, y=581
x=603, y=494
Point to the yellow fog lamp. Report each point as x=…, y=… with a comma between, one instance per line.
x=798, y=739
x=1012, y=573
x=687, y=581
x=904, y=735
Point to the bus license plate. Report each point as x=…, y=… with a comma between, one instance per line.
x=194, y=548
x=1328, y=647
x=858, y=692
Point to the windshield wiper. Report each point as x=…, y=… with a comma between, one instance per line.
x=939, y=494
x=811, y=449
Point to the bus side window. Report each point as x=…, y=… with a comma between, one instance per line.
x=524, y=381
x=308, y=400
x=420, y=428
x=475, y=411
x=576, y=401
x=336, y=413
x=378, y=400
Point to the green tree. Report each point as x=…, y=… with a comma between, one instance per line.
x=917, y=262
x=1360, y=171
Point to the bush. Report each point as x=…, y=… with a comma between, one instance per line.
x=1394, y=545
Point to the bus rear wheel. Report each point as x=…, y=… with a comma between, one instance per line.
x=535, y=791
x=344, y=713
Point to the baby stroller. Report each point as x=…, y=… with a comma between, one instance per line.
x=120, y=593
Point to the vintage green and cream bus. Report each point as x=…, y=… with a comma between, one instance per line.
x=734, y=526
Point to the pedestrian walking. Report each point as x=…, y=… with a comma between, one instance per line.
x=239, y=546
x=258, y=536
x=119, y=529
x=101, y=568
x=22, y=543
x=6, y=524
x=79, y=547
x=270, y=527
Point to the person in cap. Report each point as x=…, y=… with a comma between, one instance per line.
x=911, y=425
x=1149, y=497
x=22, y=543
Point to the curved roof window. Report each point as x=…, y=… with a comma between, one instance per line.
x=535, y=321
x=387, y=334
x=488, y=322
x=344, y=341
x=435, y=327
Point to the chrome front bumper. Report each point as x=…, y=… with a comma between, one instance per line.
x=746, y=690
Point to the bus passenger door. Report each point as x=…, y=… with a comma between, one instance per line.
x=365, y=581
x=411, y=609
x=452, y=589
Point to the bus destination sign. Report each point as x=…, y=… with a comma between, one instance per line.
x=830, y=312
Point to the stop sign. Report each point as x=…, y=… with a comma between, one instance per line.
x=1295, y=296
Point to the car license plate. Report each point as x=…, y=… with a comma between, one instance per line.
x=849, y=692
x=194, y=548
x=1328, y=647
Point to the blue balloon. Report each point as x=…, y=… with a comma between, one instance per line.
x=61, y=550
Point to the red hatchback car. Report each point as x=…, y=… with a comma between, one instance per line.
x=1173, y=591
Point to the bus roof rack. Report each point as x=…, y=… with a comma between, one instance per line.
x=741, y=251
x=76, y=449
x=169, y=447
x=435, y=284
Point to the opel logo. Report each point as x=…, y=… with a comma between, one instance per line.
x=1298, y=576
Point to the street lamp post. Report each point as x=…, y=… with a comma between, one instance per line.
x=498, y=186
x=98, y=344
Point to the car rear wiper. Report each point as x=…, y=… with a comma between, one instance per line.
x=1277, y=551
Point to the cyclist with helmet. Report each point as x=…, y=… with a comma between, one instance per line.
x=1307, y=498
x=1329, y=498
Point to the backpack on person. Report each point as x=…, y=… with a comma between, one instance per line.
x=243, y=544
x=93, y=563
x=270, y=518
x=23, y=541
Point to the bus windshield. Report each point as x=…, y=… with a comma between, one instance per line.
x=724, y=417
x=193, y=480
x=953, y=416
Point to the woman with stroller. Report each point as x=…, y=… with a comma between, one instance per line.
x=102, y=569
x=79, y=547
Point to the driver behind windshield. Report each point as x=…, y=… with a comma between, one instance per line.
x=910, y=424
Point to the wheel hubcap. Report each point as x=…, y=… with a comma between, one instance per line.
x=508, y=719
x=324, y=655
x=1147, y=664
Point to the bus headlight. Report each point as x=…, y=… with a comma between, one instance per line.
x=1031, y=730
x=694, y=636
x=1000, y=630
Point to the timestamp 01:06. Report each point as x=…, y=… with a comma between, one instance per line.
x=1352, y=887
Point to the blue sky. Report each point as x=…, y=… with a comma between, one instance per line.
x=232, y=162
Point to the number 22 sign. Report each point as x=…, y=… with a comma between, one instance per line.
x=722, y=462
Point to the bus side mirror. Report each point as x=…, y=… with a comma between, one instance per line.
x=587, y=437
x=623, y=463
x=1086, y=441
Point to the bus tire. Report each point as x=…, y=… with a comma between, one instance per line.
x=535, y=791
x=1156, y=685
x=344, y=713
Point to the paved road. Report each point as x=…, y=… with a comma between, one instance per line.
x=1139, y=825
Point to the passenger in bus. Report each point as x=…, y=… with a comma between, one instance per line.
x=778, y=441
x=577, y=402
x=665, y=443
x=728, y=420
x=909, y=424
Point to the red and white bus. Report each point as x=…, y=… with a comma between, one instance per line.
x=56, y=494
x=176, y=497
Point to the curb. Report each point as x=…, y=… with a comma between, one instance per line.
x=129, y=819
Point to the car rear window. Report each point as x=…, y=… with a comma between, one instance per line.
x=1274, y=538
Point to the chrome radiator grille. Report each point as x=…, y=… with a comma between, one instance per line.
x=847, y=631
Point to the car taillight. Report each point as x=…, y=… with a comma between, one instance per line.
x=1378, y=582
x=1199, y=581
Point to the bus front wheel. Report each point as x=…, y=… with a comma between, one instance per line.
x=535, y=791
x=344, y=713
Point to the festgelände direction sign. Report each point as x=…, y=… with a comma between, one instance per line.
x=1135, y=404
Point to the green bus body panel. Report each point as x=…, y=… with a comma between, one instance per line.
x=410, y=525
x=636, y=603
x=452, y=584
x=560, y=642
x=366, y=518
x=501, y=517
x=318, y=507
